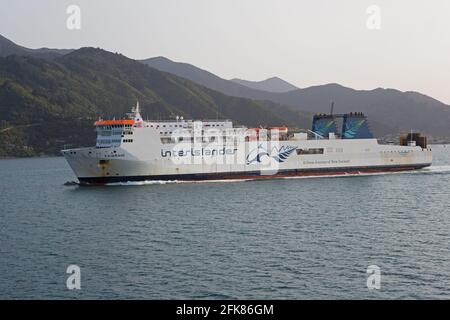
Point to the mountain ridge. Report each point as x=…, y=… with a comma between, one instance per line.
x=8, y=47
x=205, y=78
x=272, y=84
x=391, y=108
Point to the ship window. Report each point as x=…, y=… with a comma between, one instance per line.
x=310, y=151
x=165, y=140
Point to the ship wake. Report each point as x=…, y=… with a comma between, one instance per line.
x=435, y=169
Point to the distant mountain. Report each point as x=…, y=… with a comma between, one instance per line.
x=273, y=84
x=400, y=111
x=47, y=104
x=205, y=78
x=389, y=110
x=7, y=47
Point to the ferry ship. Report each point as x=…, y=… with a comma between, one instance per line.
x=133, y=149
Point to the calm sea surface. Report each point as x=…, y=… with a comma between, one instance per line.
x=294, y=238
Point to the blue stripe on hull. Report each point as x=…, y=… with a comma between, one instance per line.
x=248, y=175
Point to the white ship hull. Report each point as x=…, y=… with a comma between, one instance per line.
x=139, y=163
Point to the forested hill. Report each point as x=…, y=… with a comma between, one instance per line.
x=47, y=104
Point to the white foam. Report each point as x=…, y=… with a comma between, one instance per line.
x=142, y=183
x=437, y=169
x=160, y=182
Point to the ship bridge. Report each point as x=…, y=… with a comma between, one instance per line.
x=110, y=133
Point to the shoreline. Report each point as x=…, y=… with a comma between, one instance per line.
x=32, y=157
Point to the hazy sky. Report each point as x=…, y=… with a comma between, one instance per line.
x=304, y=42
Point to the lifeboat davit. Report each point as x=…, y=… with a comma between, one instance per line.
x=253, y=133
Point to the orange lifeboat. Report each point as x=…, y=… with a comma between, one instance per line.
x=113, y=122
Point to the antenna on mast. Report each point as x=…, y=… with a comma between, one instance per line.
x=137, y=107
x=137, y=114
